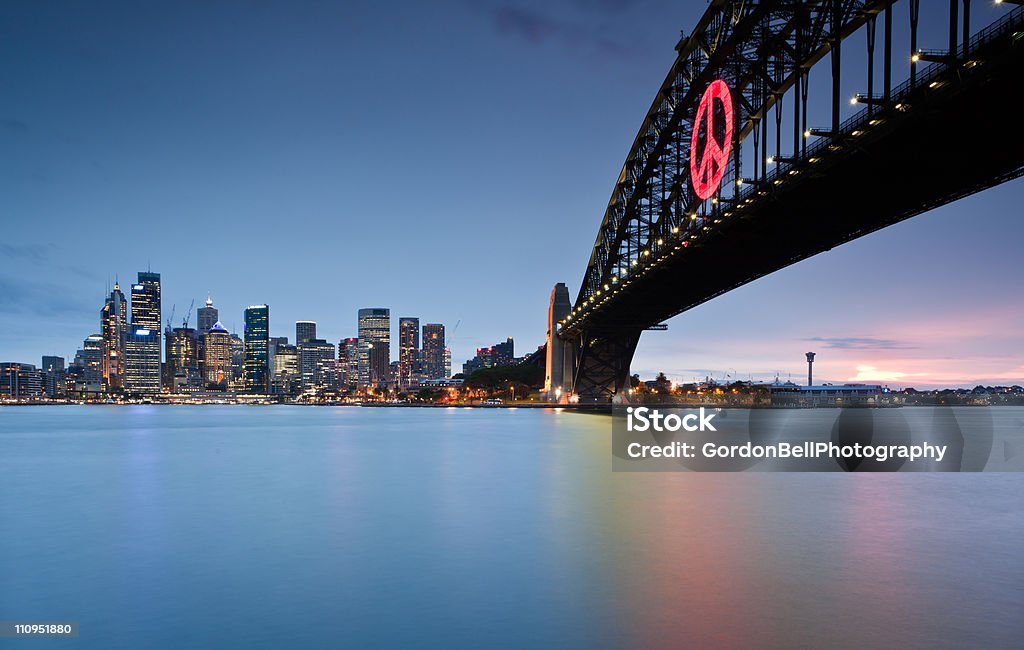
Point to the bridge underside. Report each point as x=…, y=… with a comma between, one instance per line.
x=944, y=142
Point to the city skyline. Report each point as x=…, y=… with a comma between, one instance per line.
x=276, y=131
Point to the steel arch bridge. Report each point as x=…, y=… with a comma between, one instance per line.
x=783, y=188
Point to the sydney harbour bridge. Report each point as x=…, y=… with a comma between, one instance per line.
x=752, y=158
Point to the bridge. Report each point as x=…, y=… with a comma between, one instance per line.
x=729, y=180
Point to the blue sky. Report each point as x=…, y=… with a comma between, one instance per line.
x=447, y=160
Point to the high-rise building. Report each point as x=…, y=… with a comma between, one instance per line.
x=505, y=353
x=305, y=330
x=182, y=369
x=206, y=316
x=90, y=359
x=433, y=350
x=348, y=363
x=142, y=342
x=374, y=346
x=237, y=347
x=408, y=349
x=146, y=302
x=217, y=364
x=257, y=354
x=20, y=380
x=52, y=370
x=316, y=364
x=142, y=361
x=114, y=329
x=447, y=363
x=286, y=377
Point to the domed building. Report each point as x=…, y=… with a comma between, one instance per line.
x=217, y=357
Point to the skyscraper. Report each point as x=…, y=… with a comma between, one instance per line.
x=142, y=361
x=182, y=366
x=113, y=328
x=257, y=354
x=316, y=364
x=285, y=380
x=52, y=370
x=90, y=359
x=374, y=345
x=408, y=349
x=217, y=364
x=305, y=330
x=348, y=363
x=206, y=316
x=433, y=350
x=142, y=343
x=237, y=347
x=146, y=302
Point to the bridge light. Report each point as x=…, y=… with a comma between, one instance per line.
x=807, y=133
x=714, y=201
x=675, y=230
x=739, y=181
x=854, y=100
x=660, y=242
x=646, y=253
x=693, y=215
x=916, y=56
x=770, y=160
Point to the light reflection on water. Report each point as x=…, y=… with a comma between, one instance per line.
x=298, y=527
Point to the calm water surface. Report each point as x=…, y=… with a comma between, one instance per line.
x=282, y=527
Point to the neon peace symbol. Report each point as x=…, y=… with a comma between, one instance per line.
x=707, y=167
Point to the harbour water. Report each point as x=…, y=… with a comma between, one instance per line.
x=288, y=527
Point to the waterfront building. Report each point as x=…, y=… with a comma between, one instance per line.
x=447, y=363
x=316, y=364
x=504, y=354
x=256, y=371
x=286, y=377
x=348, y=363
x=142, y=342
x=237, y=347
x=374, y=359
x=52, y=372
x=142, y=361
x=408, y=349
x=305, y=330
x=20, y=380
x=433, y=350
x=114, y=329
x=217, y=362
x=183, y=367
x=89, y=359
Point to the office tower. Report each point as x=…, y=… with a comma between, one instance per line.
x=114, y=329
x=504, y=353
x=146, y=302
x=316, y=364
x=433, y=350
x=20, y=380
x=182, y=367
x=52, y=370
x=286, y=376
x=447, y=363
x=142, y=361
x=90, y=359
x=217, y=361
x=142, y=342
x=408, y=349
x=206, y=317
x=348, y=363
x=256, y=372
x=305, y=330
x=237, y=346
x=374, y=346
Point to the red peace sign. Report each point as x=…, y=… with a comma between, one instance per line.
x=707, y=169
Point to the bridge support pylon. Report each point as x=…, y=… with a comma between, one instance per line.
x=602, y=358
x=559, y=362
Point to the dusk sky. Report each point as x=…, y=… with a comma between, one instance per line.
x=447, y=160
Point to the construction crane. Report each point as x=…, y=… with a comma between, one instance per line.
x=189, y=313
x=170, y=319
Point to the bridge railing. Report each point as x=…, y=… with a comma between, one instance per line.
x=925, y=75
